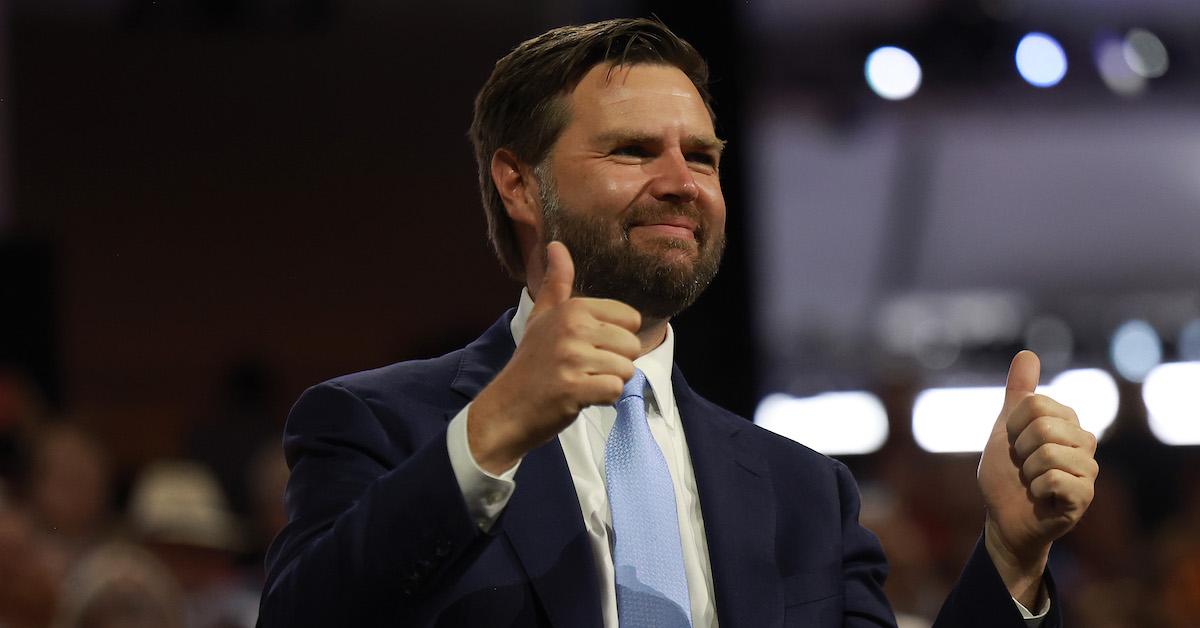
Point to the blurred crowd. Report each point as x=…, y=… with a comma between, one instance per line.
x=180, y=543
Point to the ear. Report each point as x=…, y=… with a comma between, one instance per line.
x=518, y=189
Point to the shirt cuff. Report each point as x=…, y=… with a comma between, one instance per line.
x=486, y=494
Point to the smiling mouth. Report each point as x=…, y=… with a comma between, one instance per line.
x=673, y=227
x=671, y=231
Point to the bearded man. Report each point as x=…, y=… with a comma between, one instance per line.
x=559, y=471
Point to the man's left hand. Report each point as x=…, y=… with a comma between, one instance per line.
x=1037, y=474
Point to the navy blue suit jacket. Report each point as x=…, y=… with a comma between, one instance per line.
x=379, y=534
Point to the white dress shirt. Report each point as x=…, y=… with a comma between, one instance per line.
x=583, y=445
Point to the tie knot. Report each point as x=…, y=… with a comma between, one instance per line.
x=636, y=386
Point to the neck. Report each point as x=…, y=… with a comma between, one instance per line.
x=652, y=334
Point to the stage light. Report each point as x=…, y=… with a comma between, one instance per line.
x=1135, y=349
x=1145, y=53
x=893, y=73
x=1092, y=393
x=1172, y=399
x=1040, y=60
x=948, y=420
x=1115, y=71
x=834, y=423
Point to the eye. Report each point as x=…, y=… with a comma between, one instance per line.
x=702, y=158
x=632, y=150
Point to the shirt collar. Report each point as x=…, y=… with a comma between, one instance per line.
x=656, y=364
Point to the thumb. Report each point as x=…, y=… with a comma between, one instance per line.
x=558, y=280
x=1023, y=376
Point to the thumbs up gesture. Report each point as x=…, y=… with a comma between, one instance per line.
x=576, y=352
x=1037, y=474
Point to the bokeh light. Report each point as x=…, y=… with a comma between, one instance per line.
x=1145, y=53
x=1113, y=65
x=833, y=423
x=1135, y=349
x=893, y=73
x=1041, y=60
x=1173, y=402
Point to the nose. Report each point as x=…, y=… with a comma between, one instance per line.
x=673, y=181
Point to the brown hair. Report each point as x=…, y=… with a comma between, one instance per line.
x=521, y=105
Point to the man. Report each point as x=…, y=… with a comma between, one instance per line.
x=492, y=486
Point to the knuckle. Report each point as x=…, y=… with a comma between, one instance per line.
x=575, y=323
x=566, y=355
x=1040, y=404
x=1043, y=428
x=1056, y=480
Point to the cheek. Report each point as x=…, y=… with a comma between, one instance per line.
x=713, y=200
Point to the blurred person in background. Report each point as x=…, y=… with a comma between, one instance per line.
x=227, y=441
x=29, y=576
x=21, y=407
x=120, y=585
x=69, y=489
x=267, y=482
x=29, y=568
x=178, y=511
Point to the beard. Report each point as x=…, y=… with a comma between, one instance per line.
x=657, y=277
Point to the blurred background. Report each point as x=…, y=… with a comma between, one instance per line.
x=208, y=205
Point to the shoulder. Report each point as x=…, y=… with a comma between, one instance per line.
x=447, y=380
x=398, y=403
x=411, y=378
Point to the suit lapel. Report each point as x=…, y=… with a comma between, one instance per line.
x=542, y=518
x=738, y=510
x=546, y=529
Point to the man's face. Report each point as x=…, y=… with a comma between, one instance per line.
x=631, y=188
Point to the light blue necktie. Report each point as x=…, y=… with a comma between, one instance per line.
x=647, y=554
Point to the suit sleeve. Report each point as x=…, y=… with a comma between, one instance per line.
x=374, y=524
x=980, y=599
x=864, y=566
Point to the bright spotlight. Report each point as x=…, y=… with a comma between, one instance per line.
x=893, y=73
x=947, y=420
x=1092, y=393
x=1173, y=402
x=834, y=423
x=1040, y=60
x=1135, y=349
x=1145, y=53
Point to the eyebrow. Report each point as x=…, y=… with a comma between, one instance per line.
x=704, y=142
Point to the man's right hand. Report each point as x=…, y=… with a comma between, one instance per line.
x=576, y=352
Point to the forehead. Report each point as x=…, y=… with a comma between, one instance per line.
x=645, y=97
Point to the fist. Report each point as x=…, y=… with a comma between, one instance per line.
x=1037, y=473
